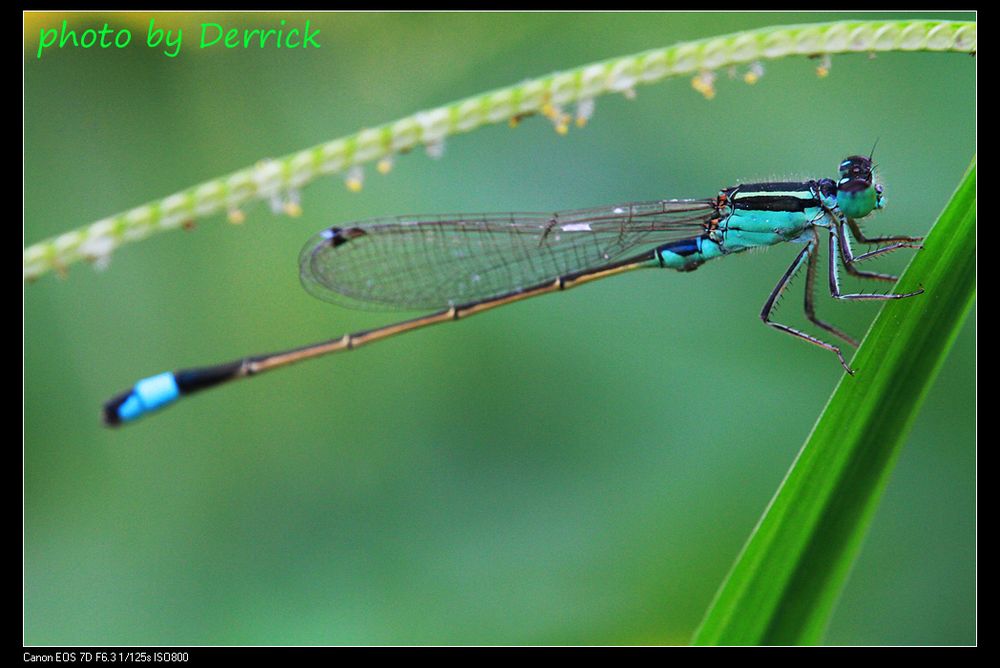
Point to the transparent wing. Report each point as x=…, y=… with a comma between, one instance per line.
x=430, y=262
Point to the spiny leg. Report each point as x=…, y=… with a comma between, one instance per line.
x=835, y=251
x=813, y=256
x=765, y=313
x=849, y=258
x=862, y=239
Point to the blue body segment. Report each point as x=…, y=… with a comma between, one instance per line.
x=688, y=254
x=754, y=215
x=148, y=395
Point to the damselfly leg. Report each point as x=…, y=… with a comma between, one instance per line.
x=810, y=292
x=850, y=259
x=836, y=250
x=806, y=255
x=839, y=250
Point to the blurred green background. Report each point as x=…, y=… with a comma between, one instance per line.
x=580, y=468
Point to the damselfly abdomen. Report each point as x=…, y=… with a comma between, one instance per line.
x=459, y=265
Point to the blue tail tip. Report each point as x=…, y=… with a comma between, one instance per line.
x=145, y=396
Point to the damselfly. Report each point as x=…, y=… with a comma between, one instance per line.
x=460, y=265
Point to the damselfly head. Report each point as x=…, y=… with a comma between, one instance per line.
x=856, y=167
x=857, y=194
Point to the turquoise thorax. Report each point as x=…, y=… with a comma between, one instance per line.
x=765, y=214
x=752, y=216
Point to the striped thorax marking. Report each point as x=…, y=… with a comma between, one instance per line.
x=788, y=197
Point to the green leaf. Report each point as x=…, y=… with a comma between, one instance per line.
x=786, y=581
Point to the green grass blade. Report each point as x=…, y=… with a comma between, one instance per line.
x=786, y=581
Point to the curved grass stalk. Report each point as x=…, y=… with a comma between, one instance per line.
x=786, y=581
x=278, y=180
